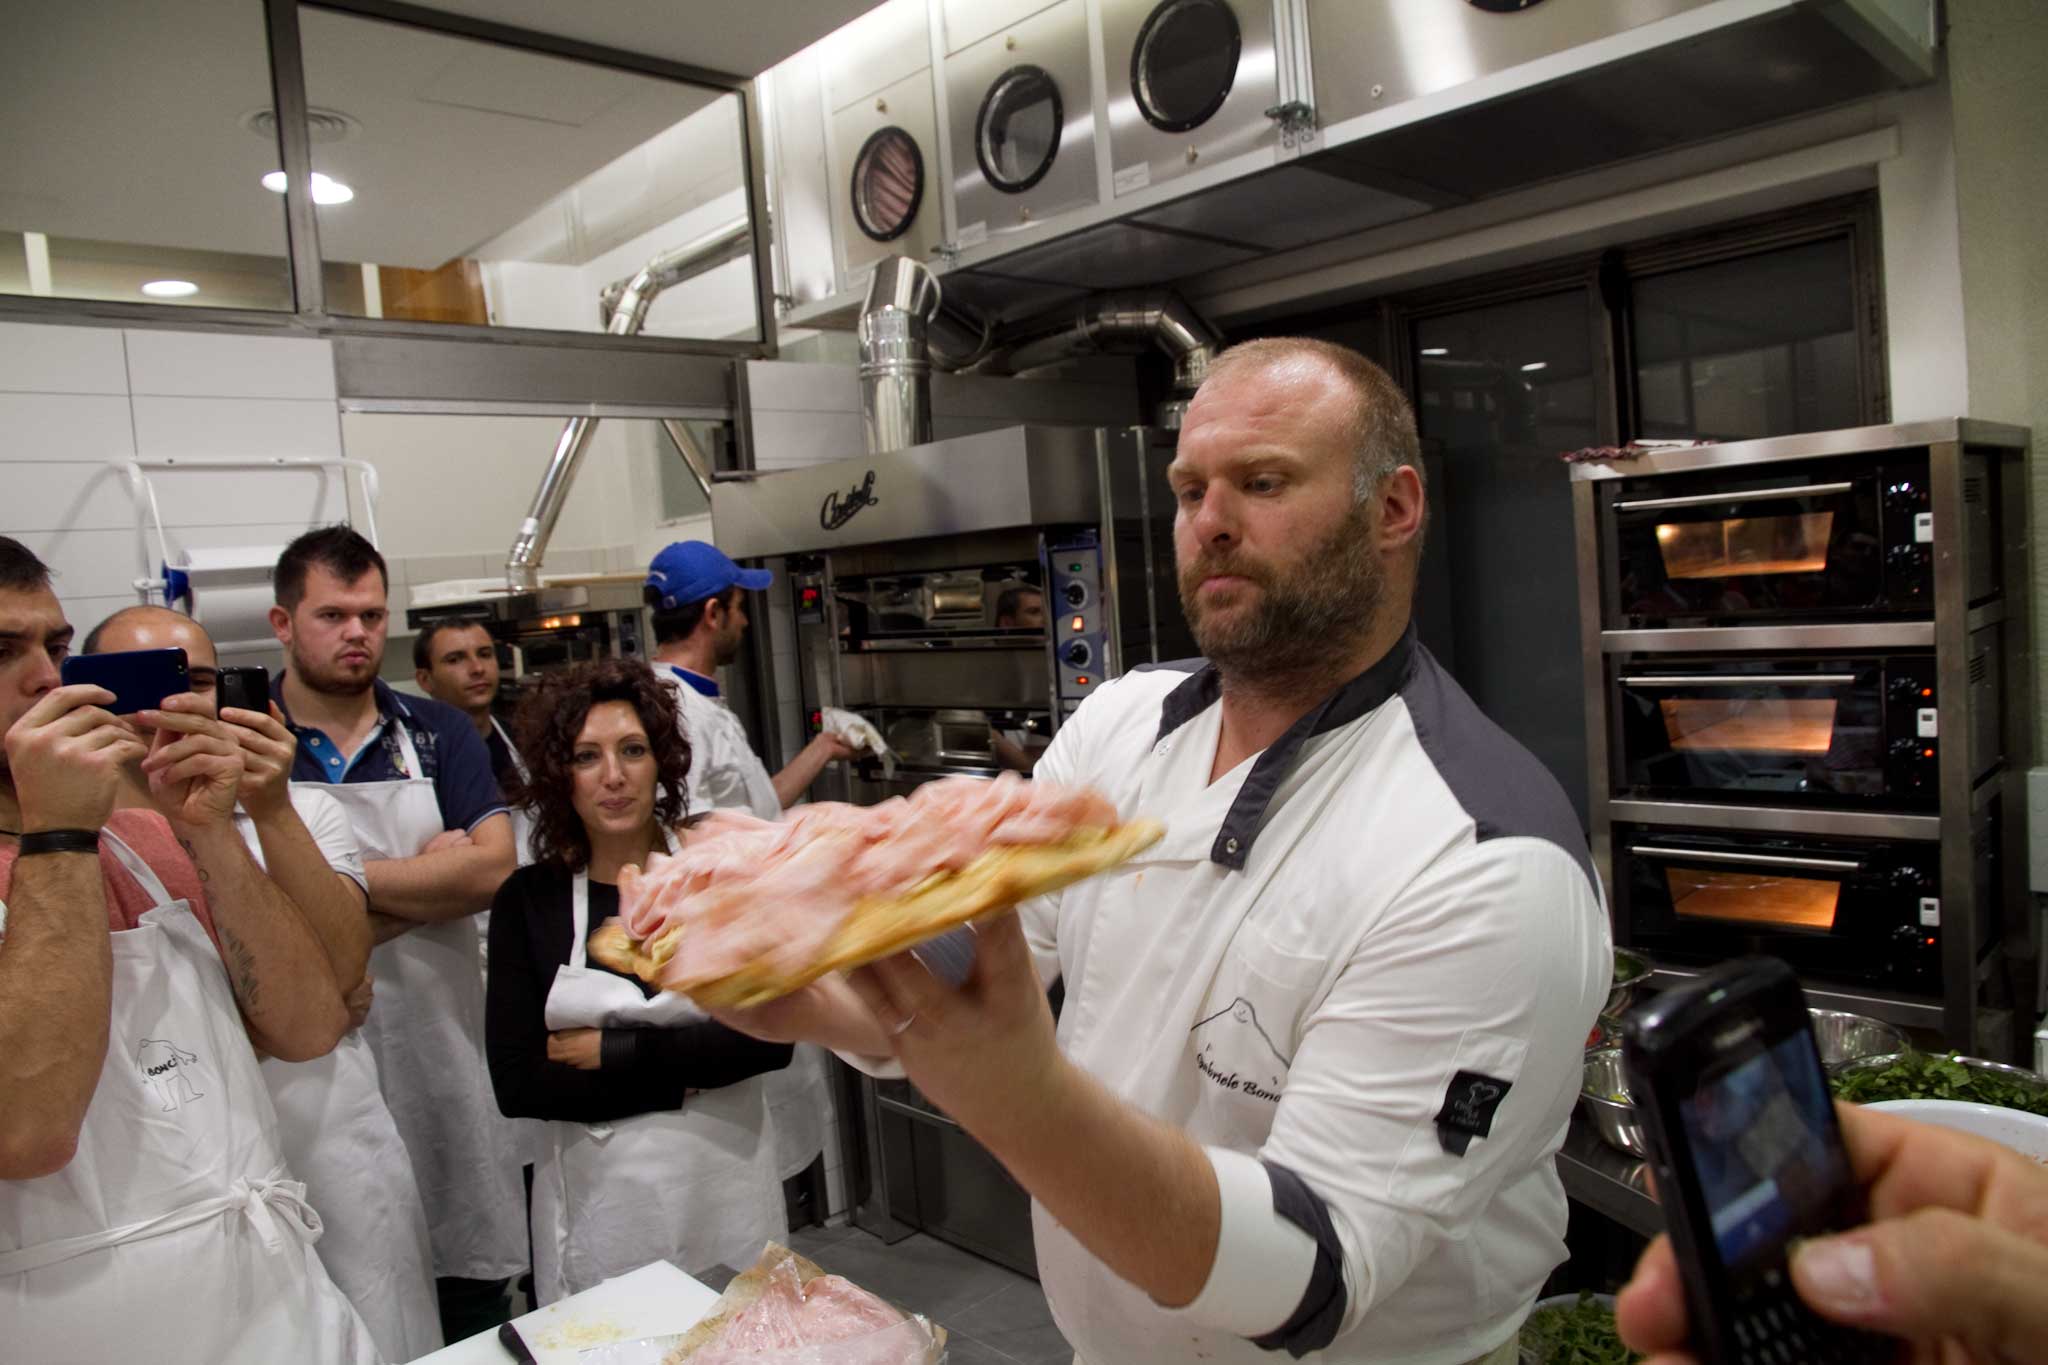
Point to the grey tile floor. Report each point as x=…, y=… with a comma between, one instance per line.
x=992, y=1316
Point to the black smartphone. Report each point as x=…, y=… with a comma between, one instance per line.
x=1748, y=1156
x=140, y=679
x=244, y=685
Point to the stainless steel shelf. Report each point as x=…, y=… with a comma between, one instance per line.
x=1907, y=1011
x=1854, y=441
x=1790, y=819
x=1614, y=1183
x=1747, y=639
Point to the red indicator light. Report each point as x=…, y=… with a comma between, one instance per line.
x=1081, y=681
x=1927, y=753
x=1080, y=623
x=1926, y=691
x=817, y=720
x=1930, y=943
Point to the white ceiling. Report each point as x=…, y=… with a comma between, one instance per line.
x=123, y=118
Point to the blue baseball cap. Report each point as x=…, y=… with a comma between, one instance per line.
x=692, y=570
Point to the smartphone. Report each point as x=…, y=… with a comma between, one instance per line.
x=140, y=679
x=246, y=686
x=1748, y=1156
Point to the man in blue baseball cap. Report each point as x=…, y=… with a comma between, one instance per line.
x=698, y=596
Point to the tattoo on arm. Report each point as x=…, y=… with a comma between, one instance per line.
x=193, y=854
x=241, y=964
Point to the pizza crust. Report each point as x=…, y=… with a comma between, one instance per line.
x=882, y=925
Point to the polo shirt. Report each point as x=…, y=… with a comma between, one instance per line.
x=725, y=772
x=1359, y=969
x=451, y=753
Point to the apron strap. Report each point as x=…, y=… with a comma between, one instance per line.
x=406, y=751
x=579, y=907
x=275, y=1207
x=518, y=763
x=151, y=884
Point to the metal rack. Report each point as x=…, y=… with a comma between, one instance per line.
x=1987, y=931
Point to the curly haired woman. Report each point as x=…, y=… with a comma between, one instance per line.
x=657, y=1137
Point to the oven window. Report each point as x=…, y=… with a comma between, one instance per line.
x=1749, y=725
x=1748, y=898
x=1745, y=546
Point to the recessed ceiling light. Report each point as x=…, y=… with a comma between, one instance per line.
x=1436, y=350
x=325, y=189
x=170, y=289
x=1535, y=365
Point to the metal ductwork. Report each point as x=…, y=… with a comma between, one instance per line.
x=623, y=306
x=895, y=365
x=1107, y=322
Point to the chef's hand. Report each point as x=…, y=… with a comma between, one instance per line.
x=984, y=1053
x=65, y=756
x=267, y=753
x=826, y=1012
x=582, y=1048
x=358, y=1002
x=834, y=748
x=194, y=767
x=1952, y=1261
x=448, y=838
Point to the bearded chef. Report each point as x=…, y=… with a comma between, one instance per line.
x=1320, y=1044
x=146, y=1212
x=699, y=600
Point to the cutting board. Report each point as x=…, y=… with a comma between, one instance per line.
x=654, y=1300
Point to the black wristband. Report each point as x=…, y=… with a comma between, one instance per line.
x=60, y=841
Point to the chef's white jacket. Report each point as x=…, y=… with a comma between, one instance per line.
x=1359, y=969
x=724, y=769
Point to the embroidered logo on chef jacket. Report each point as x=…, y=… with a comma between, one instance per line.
x=1469, y=1104
x=1234, y=1028
x=170, y=1071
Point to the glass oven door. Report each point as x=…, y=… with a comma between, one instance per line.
x=1830, y=730
x=1766, y=549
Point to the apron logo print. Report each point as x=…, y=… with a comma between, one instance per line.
x=170, y=1071
x=1243, y=1014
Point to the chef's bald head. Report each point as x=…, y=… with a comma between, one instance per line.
x=1377, y=426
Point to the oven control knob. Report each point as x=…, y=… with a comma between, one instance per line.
x=1077, y=654
x=1076, y=593
x=1904, y=688
x=1908, y=878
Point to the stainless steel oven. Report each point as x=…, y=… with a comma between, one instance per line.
x=1843, y=730
x=1865, y=912
x=1792, y=542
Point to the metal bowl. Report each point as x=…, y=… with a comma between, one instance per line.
x=1630, y=971
x=1616, y=1119
x=1844, y=1037
x=2033, y=1079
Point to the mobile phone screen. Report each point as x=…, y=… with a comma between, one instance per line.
x=1762, y=1140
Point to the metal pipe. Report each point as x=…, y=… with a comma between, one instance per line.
x=1103, y=322
x=623, y=304
x=895, y=367
x=694, y=455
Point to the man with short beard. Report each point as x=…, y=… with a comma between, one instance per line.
x=415, y=780
x=1320, y=1043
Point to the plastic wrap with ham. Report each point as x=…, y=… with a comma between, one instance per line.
x=828, y=1321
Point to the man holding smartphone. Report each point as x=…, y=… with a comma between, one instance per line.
x=416, y=782
x=144, y=959
x=333, y=1124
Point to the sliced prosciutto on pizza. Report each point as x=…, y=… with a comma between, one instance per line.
x=752, y=909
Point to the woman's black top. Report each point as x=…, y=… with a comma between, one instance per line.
x=645, y=1070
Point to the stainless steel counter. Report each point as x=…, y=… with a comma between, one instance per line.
x=1608, y=1181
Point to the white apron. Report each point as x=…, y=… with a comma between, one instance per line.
x=176, y=1233
x=528, y=1136
x=522, y=821
x=426, y=1028
x=337, y=1135
x=696, y=1187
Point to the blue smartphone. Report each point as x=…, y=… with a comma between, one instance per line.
x=140, y=679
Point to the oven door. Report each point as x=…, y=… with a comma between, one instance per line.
x=1834, y=730
x=1854, y=910
x=1766, y=547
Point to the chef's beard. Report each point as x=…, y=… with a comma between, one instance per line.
x=1302, y=619
x=332, y=682
x=726, y=649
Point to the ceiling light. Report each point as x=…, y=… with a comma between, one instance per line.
x=1535, y=365
x=1436, y=350
x=170, y=289
x=325, y=190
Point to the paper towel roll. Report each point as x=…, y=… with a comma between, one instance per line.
x=232, y=596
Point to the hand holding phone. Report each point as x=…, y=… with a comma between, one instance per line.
x=1748, y=1156
x=245, y=686
x=140, y=679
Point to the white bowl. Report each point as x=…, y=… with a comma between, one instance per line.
x=2025, y=1133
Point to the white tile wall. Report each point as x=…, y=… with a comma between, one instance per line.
x=82, y=428
x=206, y=365
x=35, y=358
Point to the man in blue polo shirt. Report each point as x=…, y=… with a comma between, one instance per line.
x=416, y=782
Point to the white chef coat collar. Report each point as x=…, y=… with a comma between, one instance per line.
x=1358, y=697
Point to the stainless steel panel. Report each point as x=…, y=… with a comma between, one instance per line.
x=1292, y=206
x=1808, y=445
x=880, y=49
x=967, y=22
x=1019, y=476
x=1754, y=639
x=1056, y=41
x=572, y=377
x=1118, y=254
x=1905, y=1010
x=1778, y=819
x=1374, y=54
x=802, y=186
x=1142, y=155
x=1009, y=679
x=907, y=104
